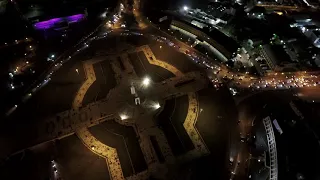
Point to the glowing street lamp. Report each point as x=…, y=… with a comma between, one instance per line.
x=146, y=81
x=52, y=56
x=123, y=116
x=185, y=8
x=156, y=106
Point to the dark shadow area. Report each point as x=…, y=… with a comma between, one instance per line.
x=157, y=149
x=29, y=164
x=105, y=81
x=217, y=117
x=170, y=121
x=140, y=70
x=125, y=140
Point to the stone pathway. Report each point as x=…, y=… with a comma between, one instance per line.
x=190, y=126
x=90, y=79
x=154, y=61
x=86, y=137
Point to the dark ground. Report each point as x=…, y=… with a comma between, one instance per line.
x=73, y=161
x=171, y=122
x=76, y=161
x=56, y=96
x=171, y=56
x=143, y=68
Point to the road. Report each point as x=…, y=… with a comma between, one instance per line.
x=285, y=80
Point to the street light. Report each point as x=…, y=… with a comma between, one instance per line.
x=146, y=81
x=185, y=8
x=123, y=116
x=52, y=56
x=156, y=106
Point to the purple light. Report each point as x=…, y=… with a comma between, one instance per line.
x=75, y=18
x=47, y=24
x=51, y=22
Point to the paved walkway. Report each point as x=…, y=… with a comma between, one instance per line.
x=86, y=137
x=153, y=60
x=90, y=79
x=190, y=126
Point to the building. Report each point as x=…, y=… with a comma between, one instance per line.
x=276, y=58
x=314, y=36
x=309, y=27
